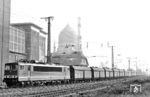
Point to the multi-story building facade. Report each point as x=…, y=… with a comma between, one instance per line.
x=42, y=46
x=35, y=41
x=4, y=34
x=16, y=44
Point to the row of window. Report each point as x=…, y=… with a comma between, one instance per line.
x=42, y=48
x=17, y=40
x=35, y=68
x=47, y=69
x=17, y=43
x=44, y=69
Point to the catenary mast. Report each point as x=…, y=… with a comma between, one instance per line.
x=49, y=58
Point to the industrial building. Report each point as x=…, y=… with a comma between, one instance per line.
x=4, y=34
x=16, y=44
x=33, y=46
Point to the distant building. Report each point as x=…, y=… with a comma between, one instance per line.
x=68, y=41
x=4, y=35
x=74, y=58
x=69, y=51
x=35, y=41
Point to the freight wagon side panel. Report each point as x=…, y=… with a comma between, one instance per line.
x=96, y=74
x=102, y=74
x=110, y=74
x=88, y=74
x=79, y=74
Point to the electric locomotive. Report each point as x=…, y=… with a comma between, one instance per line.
x=20, y=73
x=24, y=73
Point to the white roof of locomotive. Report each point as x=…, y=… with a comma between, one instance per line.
x=44, y=65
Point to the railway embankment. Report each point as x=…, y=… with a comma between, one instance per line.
x=125, y=90
x=106, y=88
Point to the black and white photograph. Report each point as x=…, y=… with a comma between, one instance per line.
x=74, y=48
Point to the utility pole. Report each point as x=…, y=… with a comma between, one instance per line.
x=112, y=50
x=112, y=55
x=49, y=58
x=129, y=61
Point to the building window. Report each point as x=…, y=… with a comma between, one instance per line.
x=42, y=48
x=17, y=40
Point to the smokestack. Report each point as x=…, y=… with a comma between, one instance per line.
x=79, y=34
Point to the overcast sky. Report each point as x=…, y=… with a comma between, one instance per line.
x=123, y=23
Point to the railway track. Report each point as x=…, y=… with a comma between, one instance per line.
x=62, y=90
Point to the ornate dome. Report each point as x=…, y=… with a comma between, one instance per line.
x=67, y=40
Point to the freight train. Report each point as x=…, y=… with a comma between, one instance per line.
x=22, y=74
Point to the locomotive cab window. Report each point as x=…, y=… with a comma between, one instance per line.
x=14, y=67
x=11, y=67
x=7, y=67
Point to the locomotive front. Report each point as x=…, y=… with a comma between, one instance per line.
x=11, y=73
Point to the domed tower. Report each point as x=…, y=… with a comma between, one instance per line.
x=68, y=41
x=79, y=36
x=69, y=48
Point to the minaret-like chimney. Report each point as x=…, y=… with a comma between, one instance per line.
x=54, y=47
x=79, y=34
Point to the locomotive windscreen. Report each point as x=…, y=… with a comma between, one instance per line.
x=11, y=66
x=11, y=69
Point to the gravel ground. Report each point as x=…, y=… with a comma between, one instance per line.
x=123, y=90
